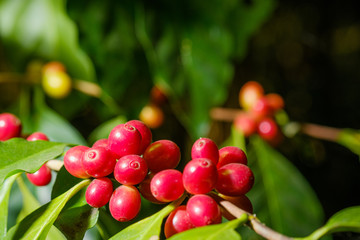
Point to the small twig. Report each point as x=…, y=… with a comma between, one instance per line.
x=321, y=132
x=253, y=223
x=224, y=114
x=54, y=164
x=89, y=88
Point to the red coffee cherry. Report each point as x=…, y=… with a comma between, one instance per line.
x=205, y=148
x=53, y=66
x=146, y=135
x=73, y=161
x=104, y=143
x=199, y=176
x=98, y=162
x=203, y=210
x=162, y=154
x=10, y=126
x=167, y=185
x=249, y=93
x=178, y=221
x=124, y=139
x=99, y=191
x=145, y=191
x=125, y=203
x=37, y=136
x=231, y=154
x=275, y=101
x=261, y=109
x=41, y=177
x=234, y=179
x=130, y=170
x=245, y=123
x=268, y=129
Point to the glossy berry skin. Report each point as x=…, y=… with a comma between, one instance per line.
x=268, y=129
x=104, y=143
x=98, y=162
x=37, y=136
x=124, y=139
x=249, y=93
x=146, y=135
x=130, y=170
x=203, y=210
x=178, y=221
x=152, y=116
x=162, y=154
x=99, y=191
x=125, y=203
x=205, y=148
x=145, y=191
x=41, y=177
x=167, y=185
x=234, y=179
x=73, y=161
x=10, y=126
x=56, y=84
x=246, y=124
x=231, y=154
x=199, y=176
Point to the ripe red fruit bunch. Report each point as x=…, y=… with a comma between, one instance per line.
x=224, y=171
x=130, y=159
x=11, y=127
x=259, y=111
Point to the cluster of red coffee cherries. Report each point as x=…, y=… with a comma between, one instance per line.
x=144, y=168
x=259, y=110
x=11, y=127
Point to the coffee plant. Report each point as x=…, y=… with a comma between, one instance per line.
x=109, y=127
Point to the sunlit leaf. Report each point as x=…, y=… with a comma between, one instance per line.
x=346, y=220
x=350, y=138
x=147, y=227
x=30, y=203
x=38, y=223
x=214, y=232
x=5, y=189
x=19, y=155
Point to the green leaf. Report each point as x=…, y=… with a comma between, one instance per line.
x=19, y=155
x=38, y=223
x=74, y=222
x=281, y=196
x=350, y=138
x=30, y=203
x=42, y=28
x=77, y=216
x=346, y=220
x=207, y=73
x=4, y=203
x=104, y=129
x=147, y=227
x=213, y=232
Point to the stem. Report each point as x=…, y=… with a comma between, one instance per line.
x=253, y=222
x=321, y=132
x=224, y=114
